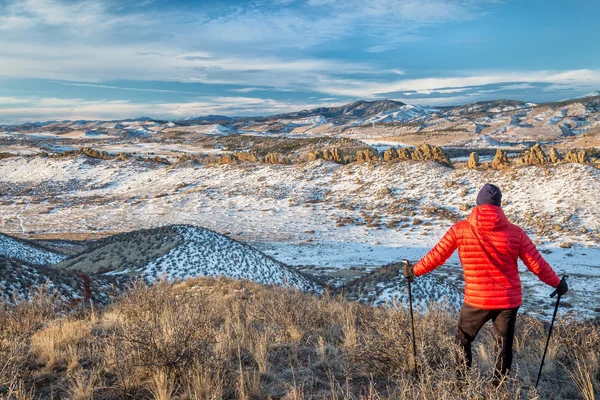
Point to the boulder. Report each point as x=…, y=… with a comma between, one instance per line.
x=473, y=161
x=500, y=160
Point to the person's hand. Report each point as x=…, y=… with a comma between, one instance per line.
x=562, y=287
x=407, y=270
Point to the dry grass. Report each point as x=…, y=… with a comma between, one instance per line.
x=215, y=338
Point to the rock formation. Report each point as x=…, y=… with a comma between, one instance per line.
x=427, y=152
x=534, y=156
x=334, y=154
x=228, y=159
x=473, y=161
x=246, y=157
x=390, y=154
x=404, y=153
x=555, y=156
x=272, y=158
x=580, y=157
x=368, y=155
x=315, y=155
x=500, y=160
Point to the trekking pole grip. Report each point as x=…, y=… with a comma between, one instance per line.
x=564, y=279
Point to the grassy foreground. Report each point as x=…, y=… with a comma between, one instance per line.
x=216, y=338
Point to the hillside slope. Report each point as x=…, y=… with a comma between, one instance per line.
x=179, y=252
x=19, y=279
x=387, y=285
x=27, y=252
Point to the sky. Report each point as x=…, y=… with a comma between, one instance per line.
x=105, y=59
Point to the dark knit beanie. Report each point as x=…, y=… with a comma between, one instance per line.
x=489, y=194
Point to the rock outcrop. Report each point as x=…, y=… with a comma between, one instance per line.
x=315, y=155
x=273, y=158
x=246, y=157
x=228, y=159
x=580, y=157
x=368, y=155
x=427, y=152
x=473, y=161
x=534, y=156
x=500, y=160
x=404, y=153
x=390, y=154
x=555, y=156
x=334, y=154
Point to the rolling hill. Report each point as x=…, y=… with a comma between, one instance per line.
x=20, y=279
x=388, y=285
x=27, y=251
x=179, y=252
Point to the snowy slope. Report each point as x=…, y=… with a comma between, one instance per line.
x=27, y=252
x=405, y=113
x=387, y=285
x=21, y=279
x=206, y=253
x=179, y=252
x=219, y=130
x=312, y=121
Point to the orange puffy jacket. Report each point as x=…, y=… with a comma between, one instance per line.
x=488, y=247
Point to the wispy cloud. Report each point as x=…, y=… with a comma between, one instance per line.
x=360, y=88
x=93, y=85
x=42, y=109
x=97, y=40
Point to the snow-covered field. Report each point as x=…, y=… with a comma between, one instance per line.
x=318, y=214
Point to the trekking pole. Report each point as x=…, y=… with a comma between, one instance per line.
x=412, y=325
x=550, y=331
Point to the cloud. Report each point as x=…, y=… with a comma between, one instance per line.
x=12, y=100
x=43, y=109
x=249, y=89
x=367, y=89
x=123, y=88
x=96, y=41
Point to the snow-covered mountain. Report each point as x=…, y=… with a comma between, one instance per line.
x=502, y=120
x=27, y=251
x=595, y=93
x=405, y=113
x=179, y=252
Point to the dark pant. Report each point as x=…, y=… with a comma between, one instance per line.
x=472, y=319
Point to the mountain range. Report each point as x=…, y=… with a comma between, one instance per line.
x=481, y=124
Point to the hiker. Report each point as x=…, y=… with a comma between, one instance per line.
x=488, y=247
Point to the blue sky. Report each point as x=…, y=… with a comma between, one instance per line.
x=64, y=59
